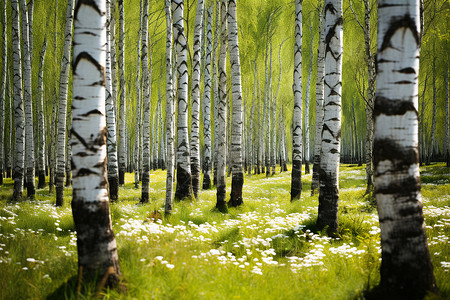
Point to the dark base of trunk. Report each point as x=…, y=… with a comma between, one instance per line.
x=93, y=224
x=41, y=176
x=59, y=195
x=46, y=171
x=206, y=181
x=402, y=281
x=31, y=189
x=8, y=173
x=113, y=188
x=328, y=205
x=17, y=194
x=307, y=170
x=121, y=177
x=315, y=179
x=1, y=176
x=51, y=182
x=296, y=180
x=195, y=171
x=184, y=185
x=221, y=205
x=267, y=171
x=285, y=167
x=448, y=159
x=68, y=178
x=236, y=190
x=145, y=195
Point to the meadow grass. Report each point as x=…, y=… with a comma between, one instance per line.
x=267, y=249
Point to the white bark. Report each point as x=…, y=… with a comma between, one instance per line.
x=41, y=118
x=207, y=104
x=195, y=95
x=62, y=111
x=406, y=270
x=146, y=106
x=308, y=88
x=329, y=162
x=122, y=105
x=138, y=128
x=19, y=120
x=28, y=105
x=2, y=93
x=236, y=126
x=184, y=181
x=221, y=133
x=97, y=249
x=296, y=179
x=215, y=89
x=111, y=137
x=170, y=116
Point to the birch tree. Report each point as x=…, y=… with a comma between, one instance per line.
x=319, y=103
x=406, y=269
x=19, y=120
x=296, y=179
x=170, y=116
x=184, y=181
x=111, y=137
x=146, y=102
x=207, y=104
x=308, y=87
x=122, y=93
x=62, y=110
x=221, y=133
x=237, y=180
x=28, y=105
x=2, y=93
x=138, y=128
x=97, y=249
x=195, y=94
x=41, y=118
x=329, y=162
x=370, y=94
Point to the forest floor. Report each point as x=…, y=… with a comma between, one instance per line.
x=267, y=249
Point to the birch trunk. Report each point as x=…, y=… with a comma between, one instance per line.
x=319, y=103
x=2, y=93
x=447, y=127
x=275, y=102
x=30, y=8
x=97, y=249
x=296, y=179
x=28, y=105
x=433, y=120
x=68, y=151
x=207, y=104
x=329, y=162
x=62, y=110
x=170, y=116
x=195, y=94
x=41, y=118
x=308, y=88
x=237, y=181
x=122, y=93
x=370, y=61
x=406, y=269
x=184, y=180
x=146, y=105
x=215, y=89
x=54, y=117
x=111, y=137
x=9, y=156
x=221, y=134
x=250, y=146
x=19, y=120
x=138, y=130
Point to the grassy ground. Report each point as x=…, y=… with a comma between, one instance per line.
x=267, y=249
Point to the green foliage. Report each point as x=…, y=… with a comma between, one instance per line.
x=267, y=249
